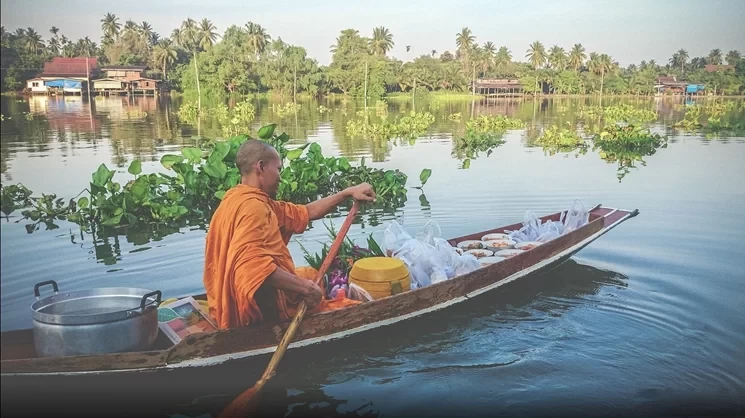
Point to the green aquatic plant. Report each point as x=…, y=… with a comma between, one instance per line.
x=493, y=124
x=555, y=139
x=195, y=181
x=408, y=127
x=627, y=146
x=469, y=146
x=618, y=113
x=287, y=109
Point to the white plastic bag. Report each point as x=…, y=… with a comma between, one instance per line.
x=466, y=263
x=576, y=217
x=395, y=237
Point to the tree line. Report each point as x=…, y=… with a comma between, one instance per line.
x=247, y=59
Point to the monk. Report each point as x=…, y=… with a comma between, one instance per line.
x=249, y=274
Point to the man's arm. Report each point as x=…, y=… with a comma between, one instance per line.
x=281, y=279
x=322, y=207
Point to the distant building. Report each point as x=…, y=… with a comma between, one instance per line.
x=498, y=87
x=129, y=72
x=64, y=75
x=125, y=79
x=36, y=85
x=712, y=68
x=670, y=85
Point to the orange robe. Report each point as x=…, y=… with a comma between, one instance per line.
x=247, y=240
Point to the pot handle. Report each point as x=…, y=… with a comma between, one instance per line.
x=147, y=296
x=39, y=285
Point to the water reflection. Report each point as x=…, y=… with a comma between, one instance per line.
x=460, y=337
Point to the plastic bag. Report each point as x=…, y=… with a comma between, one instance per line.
x=358, y=293
x=576, y=217
x=534, y=230
x=466, y=263
x=395, y=237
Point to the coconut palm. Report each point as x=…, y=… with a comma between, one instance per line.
x=54, y=31
x=682, y=58
x=577, y=57
x=465, y=41
x=490, y=50
x=207, y=34
x=33, y=41
x=557, y=57
x=433, y=52
x=732, y=57
x=166, y=53
x=381, y=42
x=504, y=56
x=715, y=56
x=536, y=55
x=258, y=38
x=146, y=29
x=131, y=26
x=110, y=26
x=188, y=38
x=600, y=64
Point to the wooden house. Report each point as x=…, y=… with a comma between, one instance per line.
x=498, y=87
x=36, y=86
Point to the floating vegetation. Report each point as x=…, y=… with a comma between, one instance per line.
x=691, y=119
x=618, y=113
x=494, y=124
x=323, y=109
x=455, y=117
x=290, y=108
x=409, y=127
x=201, y=178
x=189, y=112
x=381, y=108
x=627, y=145
x=555, y=139
x=473, y=143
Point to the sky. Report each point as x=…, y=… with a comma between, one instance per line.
x=629, y=30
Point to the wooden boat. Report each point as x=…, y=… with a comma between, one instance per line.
x=19, y=358
x=254, y=344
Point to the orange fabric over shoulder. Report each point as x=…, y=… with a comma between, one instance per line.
x=247, y=240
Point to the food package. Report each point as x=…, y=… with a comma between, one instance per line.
x=576, y=217
x=429, y=258
x=534, y=230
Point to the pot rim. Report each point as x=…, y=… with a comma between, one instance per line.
x=144, y=301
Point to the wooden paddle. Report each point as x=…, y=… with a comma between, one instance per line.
x=246, y=402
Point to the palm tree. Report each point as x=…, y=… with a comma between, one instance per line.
x=166, y=52
x=146, y=29
x=110, y=26
x=715, y=56
x=131, y=26
x=54, y=31
x=207, y=34
x=682, y=57
x=600, y=64
x=490, y=50
x=408, y=48
x=433, y=52
x=258, y=38
x=732, y=57
x=188, y=38
x=33, y=41
x=465, y=41
x=557, y=57
x=382, y=41
x=504, y=56
x=577, y=57
x=53, y=46
x=536, y=55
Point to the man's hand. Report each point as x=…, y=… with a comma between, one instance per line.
x=312, y=295
x=363, y=192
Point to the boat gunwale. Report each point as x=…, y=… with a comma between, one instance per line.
x=170, y=358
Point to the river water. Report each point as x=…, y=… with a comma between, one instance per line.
x=650, y=314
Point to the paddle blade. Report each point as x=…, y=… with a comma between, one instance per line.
x=244, y=405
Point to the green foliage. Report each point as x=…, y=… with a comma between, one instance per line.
x=197, y=180
x=469, y=146
x=627, y=145
x=408, y=127
x=618, y=113
x=289, y=108
x=493, y=124
x=555, y=139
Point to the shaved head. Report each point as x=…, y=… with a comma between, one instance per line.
x=260, y=166
x=251, y=152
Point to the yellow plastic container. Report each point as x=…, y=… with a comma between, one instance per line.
x=381, y=276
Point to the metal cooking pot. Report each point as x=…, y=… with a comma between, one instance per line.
x=98, y=321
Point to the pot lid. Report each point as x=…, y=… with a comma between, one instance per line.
x=94, y=306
